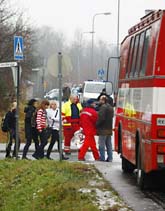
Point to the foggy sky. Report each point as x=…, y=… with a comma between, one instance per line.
x=69, y=15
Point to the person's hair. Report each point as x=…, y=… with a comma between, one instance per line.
x=73, y=96
x=43, y=104
x=31, y=102
x=53, y=102
x=104, y=98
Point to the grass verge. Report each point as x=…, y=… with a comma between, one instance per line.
x=47, y=186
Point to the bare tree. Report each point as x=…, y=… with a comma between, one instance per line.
x=11, y=23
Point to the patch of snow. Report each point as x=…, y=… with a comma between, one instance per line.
x=96, y=183
x=85, y=190
x=105, y=199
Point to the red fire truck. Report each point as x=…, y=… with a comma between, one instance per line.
x=140, y=107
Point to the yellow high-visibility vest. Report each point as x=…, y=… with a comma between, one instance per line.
x=66, y=112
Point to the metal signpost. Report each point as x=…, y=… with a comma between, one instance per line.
x=18, y=55
x=60, y=99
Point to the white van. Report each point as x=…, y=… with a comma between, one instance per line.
x=92, y=89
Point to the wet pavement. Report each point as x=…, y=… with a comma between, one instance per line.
x=124, y=184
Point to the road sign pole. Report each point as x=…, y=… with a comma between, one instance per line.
x=60, y=100
x=18, y=55
x=17, y=112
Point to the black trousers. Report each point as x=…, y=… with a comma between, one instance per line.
x=12, y=135
x=39, y=153
x=31, y=133
x=54, y=138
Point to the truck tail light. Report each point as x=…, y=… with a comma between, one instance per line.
x=161, y=133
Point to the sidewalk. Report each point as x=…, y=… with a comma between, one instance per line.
x=32, y=147
x=54, y=155
x=74, y=148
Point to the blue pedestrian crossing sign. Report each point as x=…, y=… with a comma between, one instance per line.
x=101, y=73
x=18, y=48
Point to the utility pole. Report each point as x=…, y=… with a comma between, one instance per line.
x=17, y=110
x=60, y=99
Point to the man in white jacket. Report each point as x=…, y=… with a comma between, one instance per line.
x=53, y=118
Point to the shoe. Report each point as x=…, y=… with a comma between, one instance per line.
x=14, y=156
x=107, y=160
x=101, y=160
x=98, y=160
x=34, y=156
x=67, y=153
x=64, y=158
x=8, y=156
x=81, y=159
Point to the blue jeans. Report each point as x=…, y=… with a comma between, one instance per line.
x=105, y=141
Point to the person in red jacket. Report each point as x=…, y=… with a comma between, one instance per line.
x=88, y=118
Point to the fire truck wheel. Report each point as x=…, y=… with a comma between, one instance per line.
x=141, y=175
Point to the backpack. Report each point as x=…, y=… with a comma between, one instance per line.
x=5, y=122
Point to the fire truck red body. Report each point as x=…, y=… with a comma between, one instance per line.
x=140, y=110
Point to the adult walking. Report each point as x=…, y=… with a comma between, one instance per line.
x=104, y=128
x=31, y=132
x=88, y=120
x=53, y=117
x=71, y=117
x=11, y=121
x=41, y=121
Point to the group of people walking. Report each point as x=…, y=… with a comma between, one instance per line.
x=42, y=123
x=45, y=122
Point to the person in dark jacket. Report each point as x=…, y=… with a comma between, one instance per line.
x=31, y=132
x=66, y=93
x=88, y=118
x=104, y=128
x=11, y=115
